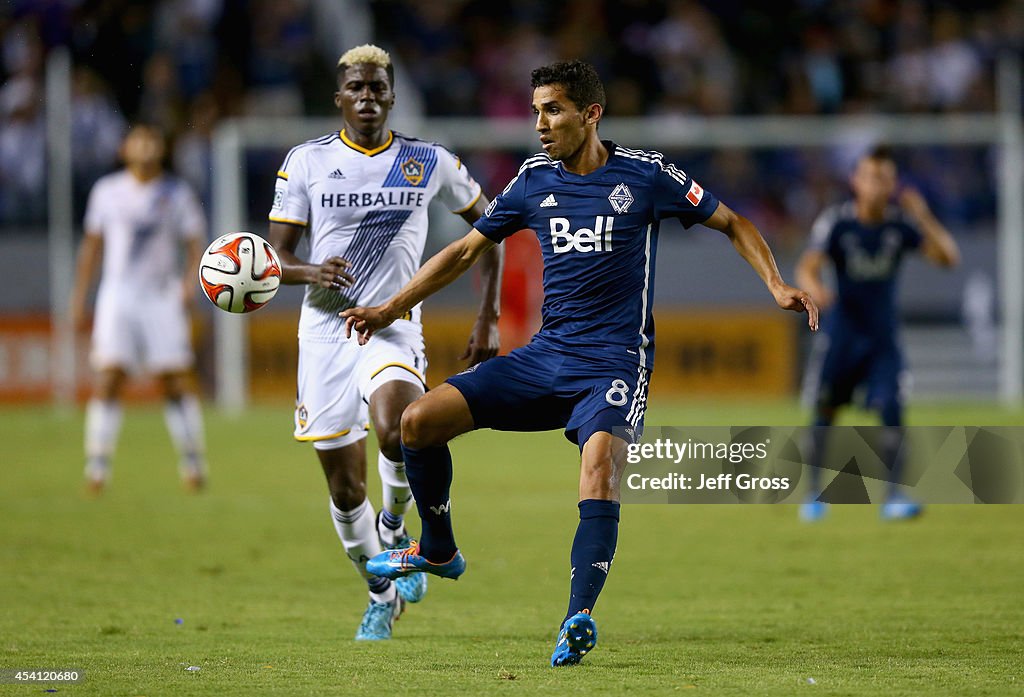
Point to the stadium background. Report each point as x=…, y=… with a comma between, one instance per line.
x=930, y=609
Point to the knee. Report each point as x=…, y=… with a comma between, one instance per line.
x=173, y=386
x=389, y=439
x=417, y=431
x=108, y=384
x=347, y=494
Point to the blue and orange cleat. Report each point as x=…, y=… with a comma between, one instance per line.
x=397, y=563
x=413, y=587
x=577, y=637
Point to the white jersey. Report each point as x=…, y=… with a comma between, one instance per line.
x=369, y=207
x=142, y=225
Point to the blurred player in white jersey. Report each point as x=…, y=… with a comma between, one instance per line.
x=361, y=194
x=136, y=221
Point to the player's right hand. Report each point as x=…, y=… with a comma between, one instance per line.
x=334, y=275
x=365, y=321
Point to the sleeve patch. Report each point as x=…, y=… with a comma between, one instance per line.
x=695, y=194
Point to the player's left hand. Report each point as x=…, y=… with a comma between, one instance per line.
x=790, y=298
x=484, y=342
x=365, y=321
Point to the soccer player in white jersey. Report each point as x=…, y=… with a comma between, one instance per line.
x=135, y=222
x=361, y=195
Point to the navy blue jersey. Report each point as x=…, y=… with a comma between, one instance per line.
x=867, y=259
x=598, y=233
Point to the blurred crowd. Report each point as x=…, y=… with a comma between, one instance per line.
x=185, y=64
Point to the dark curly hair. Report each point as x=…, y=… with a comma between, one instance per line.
x=579, y=80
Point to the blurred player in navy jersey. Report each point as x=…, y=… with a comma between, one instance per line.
x=596, y=208
x=361, y=196
x=865, y=240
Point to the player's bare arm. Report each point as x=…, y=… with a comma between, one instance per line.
x=439, y=271
x=752, y=247
x=332, y=273
x=808, y=276
x=484, y=340
x=90, y=252
x=938, y=245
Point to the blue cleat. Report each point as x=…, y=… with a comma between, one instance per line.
x=577, y=638
x=378, y=618
x=397, y=563
x=900, y=507
x=413, y=587
x=812, y=510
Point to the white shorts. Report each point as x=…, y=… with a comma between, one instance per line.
x=148, y=331
x=336, y=380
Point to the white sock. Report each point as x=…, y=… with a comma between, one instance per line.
x=358, y=533
x=397, y=496
x=386, y=596
x=102, y=427
x=184, y=420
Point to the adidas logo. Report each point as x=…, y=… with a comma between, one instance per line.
x=602, y=565
x=336, y=174
x=549, y=202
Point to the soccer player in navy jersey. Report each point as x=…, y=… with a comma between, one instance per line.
x=866, y=240
x=595, y=207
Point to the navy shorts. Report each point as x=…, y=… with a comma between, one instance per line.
x=538, y=389
x=852, y=362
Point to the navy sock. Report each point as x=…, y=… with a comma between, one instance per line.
x=816, y=455
x=593, y=549
x=892, y=419
x=429, y=471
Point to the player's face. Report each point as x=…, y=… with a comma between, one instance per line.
x=143, y=147
x=365, y=97
x=874, y=181
x=561, y=125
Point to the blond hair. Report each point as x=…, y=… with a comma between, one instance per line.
x=367, y=53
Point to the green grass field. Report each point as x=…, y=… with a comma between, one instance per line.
x=717, y=600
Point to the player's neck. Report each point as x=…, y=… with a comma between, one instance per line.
x=367, y=141
x=868, y=213
x=144, y=173
x=591, y=156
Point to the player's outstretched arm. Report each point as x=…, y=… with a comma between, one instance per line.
x=89, y=254
x=752, y=247
x=938, y=245
x=484, y=341
x=332, y=273
x=440, y=270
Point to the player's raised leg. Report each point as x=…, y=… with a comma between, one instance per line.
x=428, y=424
x=602, y=465
x=102, y=427
x=387, y=402
x=184, y=419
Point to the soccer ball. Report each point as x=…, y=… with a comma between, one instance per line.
x=240, y=272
